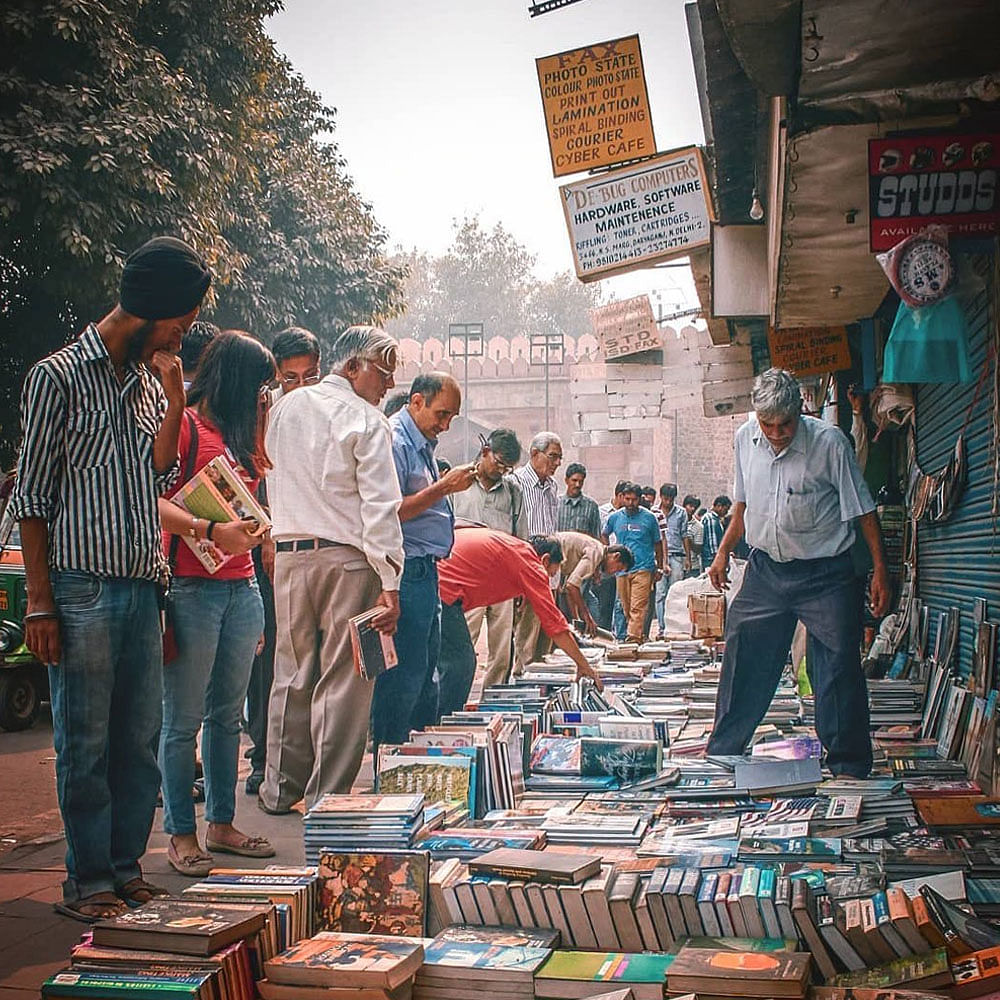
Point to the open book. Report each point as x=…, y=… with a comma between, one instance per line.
x=374, y=652
x=216, y=492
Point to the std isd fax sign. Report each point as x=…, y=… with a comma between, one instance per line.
x=636, y=216
x=596, y=106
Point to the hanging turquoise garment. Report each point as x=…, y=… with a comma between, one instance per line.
x=929, y=344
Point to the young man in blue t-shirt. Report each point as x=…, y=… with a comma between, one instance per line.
x=636, y=529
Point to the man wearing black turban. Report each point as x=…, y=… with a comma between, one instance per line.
x=101, y=419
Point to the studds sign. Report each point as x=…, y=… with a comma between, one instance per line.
x=635, y=216
x=809, y=350
x=596, y=106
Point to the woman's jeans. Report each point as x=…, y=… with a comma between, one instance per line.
x=217, y=624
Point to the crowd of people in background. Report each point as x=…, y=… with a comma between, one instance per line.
x=363, y=516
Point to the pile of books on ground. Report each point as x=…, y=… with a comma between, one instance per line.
x=379, y=821
x=212, y=944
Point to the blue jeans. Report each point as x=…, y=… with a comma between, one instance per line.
x=106, y=721
x=457, y=664
x=406, y=697
x=217, y=624
x=760, y=621
x=619, y=623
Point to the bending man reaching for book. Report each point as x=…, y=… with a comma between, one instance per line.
x=487, y=567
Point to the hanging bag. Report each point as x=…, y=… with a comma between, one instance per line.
x=169, y=635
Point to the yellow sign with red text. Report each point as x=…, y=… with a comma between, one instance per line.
x=596, y=106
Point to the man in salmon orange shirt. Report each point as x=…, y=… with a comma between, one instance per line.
x=486, y=567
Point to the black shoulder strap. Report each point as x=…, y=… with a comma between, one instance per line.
x=192, y=457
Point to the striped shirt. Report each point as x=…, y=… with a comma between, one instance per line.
x=714, y=530
x=579, y=514
x=541, y=500
x=86, y=464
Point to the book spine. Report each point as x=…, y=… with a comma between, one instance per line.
x=581, y=931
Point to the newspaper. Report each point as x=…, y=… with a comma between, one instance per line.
x=216, y=492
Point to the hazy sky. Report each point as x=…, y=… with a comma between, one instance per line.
x=439, y=113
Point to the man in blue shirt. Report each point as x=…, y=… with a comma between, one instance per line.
x=406, y=697
x=636, y=528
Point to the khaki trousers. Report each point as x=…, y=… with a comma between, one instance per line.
x=530, y=643
x=633, y=591
x=319, y=708
x=499, y=620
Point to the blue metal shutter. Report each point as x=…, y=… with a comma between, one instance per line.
x=958, y=560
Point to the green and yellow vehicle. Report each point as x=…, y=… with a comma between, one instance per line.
x=24, y=682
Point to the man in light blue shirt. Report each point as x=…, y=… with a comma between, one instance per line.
x=798, y=494
x=406, y=697
x=636, y=528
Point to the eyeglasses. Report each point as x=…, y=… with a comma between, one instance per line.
x=384, y=372
x=503, y=466
x=295, y=379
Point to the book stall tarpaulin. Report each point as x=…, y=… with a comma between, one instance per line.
x=635, y=216
x=626, y=327
x=596, y=106
x=948, y=179
x=809, y=350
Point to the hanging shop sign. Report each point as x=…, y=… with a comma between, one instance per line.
x=636, y=216
x=945, y=178
x=809, y=350
x=626, y=327
x=596, y=106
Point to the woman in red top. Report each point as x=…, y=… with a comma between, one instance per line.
x=218, y=617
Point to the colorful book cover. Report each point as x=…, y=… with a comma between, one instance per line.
x=364, y=957
x=555, y=755
x=902, y=970
x=402, y=805
x=446, y=778
x=738, y=944
x=593, y=966
x=626, y=760
x=378, y=892
x=705, y=964
x=485, y=955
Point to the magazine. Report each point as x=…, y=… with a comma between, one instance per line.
x=216, y=492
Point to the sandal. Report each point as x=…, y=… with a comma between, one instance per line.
x=137, y=891
x=90, y=909
x=248, y=847
x=196, y=865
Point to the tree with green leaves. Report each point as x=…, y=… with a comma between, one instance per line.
x=121, y=120
x=488, y=276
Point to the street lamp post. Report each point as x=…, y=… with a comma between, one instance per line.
x=465, y=340
x=546, y=349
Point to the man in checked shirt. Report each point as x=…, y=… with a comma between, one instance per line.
x=101, y=419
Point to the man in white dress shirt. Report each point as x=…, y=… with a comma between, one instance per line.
x=798, y=494
x=339, y=551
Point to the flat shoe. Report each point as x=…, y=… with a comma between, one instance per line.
x=249, y=847
x=138, y=891
x=196, y=865
x=104, y=906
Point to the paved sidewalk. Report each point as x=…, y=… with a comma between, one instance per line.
x=35, y=940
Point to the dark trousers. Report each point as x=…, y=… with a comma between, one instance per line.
x=261, y=674
x=822, y=593
x=406, y=697
x=457, y=663
x=606, y=592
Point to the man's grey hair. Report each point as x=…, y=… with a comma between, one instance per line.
x=776, y=393
x=542, y=440
x=365, y=343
